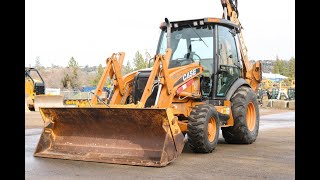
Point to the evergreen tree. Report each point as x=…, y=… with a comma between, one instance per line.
x=99, y=75
x=127, y=68
x=70, y=79
x=280, y=67
x=291, y=69
x=139, y=62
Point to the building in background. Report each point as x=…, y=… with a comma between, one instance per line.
x=273, y=77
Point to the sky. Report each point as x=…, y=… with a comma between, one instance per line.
x=90, y=31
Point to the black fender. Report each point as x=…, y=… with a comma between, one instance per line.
x=239, y=82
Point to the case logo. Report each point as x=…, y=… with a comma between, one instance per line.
x=189, y=74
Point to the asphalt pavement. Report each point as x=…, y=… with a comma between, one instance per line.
x=271, y=156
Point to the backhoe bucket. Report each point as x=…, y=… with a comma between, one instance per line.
x=47, y=101
x=134, y=136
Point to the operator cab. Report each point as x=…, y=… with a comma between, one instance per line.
x=33, y=75
x=213, y=42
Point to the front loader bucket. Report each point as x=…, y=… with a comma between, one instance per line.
x=47, y=101
x=134, y=136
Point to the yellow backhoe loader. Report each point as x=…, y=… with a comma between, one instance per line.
x=35, y=89
x=200, y=82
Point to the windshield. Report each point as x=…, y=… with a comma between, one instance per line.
x=33, y=74
x=190, y=44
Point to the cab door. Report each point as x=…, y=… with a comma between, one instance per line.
x=229, y=66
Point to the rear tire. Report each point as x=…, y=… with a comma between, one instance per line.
x=203, y=129
x=245, y=111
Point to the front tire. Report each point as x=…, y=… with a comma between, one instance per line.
x=245, y=111
x=203, y=129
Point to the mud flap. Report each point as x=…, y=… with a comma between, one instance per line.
x=48, y=101
x=134, y=136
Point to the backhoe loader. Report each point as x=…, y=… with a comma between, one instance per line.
x=200, y=81
x=35, y=89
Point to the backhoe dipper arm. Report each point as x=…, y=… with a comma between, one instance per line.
x=252, y=75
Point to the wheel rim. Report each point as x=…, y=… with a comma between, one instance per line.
x=212, y=129
x=251, y=116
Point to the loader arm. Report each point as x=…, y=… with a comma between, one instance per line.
x=168, y=81
x=122, y=84
x=163, y=77
x=253, y=75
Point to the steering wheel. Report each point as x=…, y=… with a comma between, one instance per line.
x=197, y=56
x=191, y=55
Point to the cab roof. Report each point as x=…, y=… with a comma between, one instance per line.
x=200, y=22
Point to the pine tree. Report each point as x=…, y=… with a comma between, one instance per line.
x=99, y=74
x=70, y=79
x=139, y=62
x=291, y=69
x=127, y=68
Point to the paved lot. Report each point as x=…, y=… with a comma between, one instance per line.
x=272, y=156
